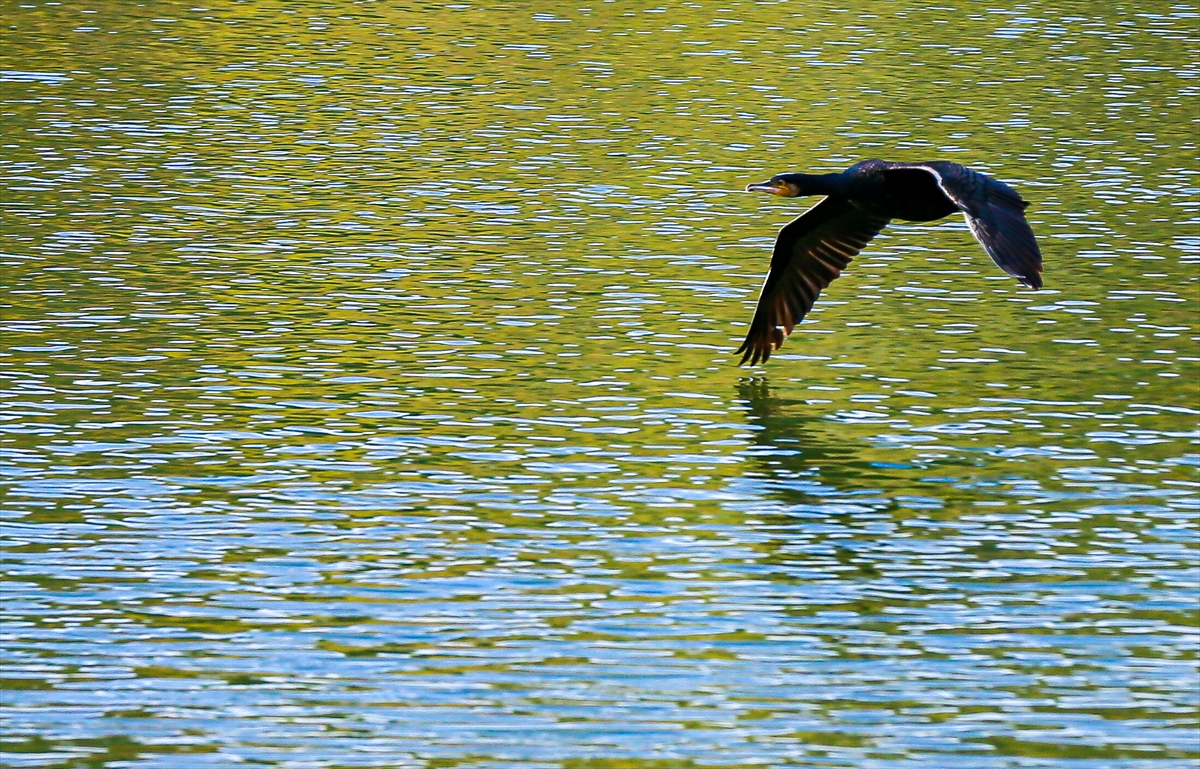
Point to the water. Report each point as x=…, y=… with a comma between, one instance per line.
x=370, y=396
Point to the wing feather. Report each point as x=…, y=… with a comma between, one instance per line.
x=996, y=215
x=810, y=252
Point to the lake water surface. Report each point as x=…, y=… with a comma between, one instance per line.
x=369, y=394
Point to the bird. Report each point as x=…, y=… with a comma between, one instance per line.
x=813, y=249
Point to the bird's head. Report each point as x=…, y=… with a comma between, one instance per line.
x=782, y=185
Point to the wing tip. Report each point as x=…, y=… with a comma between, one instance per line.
x=753, y=353
x=759, y=350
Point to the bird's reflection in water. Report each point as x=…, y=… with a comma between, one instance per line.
x=817, y=491
x=802, y=457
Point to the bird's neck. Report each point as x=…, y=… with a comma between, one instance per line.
x=816, y=184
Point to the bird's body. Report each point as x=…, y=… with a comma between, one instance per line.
x=813, y=249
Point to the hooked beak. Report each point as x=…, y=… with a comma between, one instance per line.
x=775, y=188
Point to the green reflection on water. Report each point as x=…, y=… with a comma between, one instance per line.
x=348, y=347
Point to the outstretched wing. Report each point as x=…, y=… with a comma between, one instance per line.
x=810, y=252
x=996, y=215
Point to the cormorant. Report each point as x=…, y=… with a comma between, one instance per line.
x=814, y=248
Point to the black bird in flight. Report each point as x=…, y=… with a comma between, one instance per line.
x=814, y=248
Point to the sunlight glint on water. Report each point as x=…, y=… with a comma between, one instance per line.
x=370, y=396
